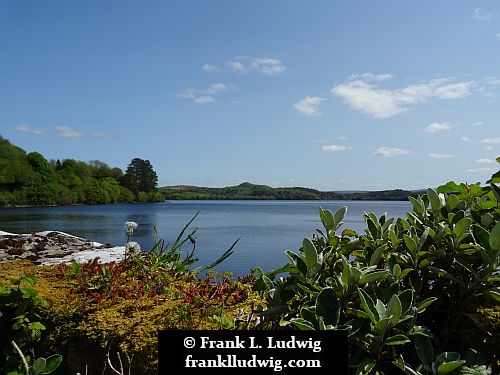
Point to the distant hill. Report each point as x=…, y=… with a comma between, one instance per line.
x=248, y=191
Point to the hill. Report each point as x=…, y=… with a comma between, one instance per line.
x=248, y=191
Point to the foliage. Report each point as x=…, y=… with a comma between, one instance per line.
x=406, y=290
x=29, y=179
x=21, y=327
x=247, y=191
x=140, y=176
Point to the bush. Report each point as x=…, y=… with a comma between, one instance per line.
x=409, y=291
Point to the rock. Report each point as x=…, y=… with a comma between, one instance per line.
x=53, y=247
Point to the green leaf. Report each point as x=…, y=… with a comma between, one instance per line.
x=328, y=306
x=418, y=207
x=339, y=216
x=396, y=271
x=461, y=227
x=345, y=277
x=367, y=305
x=377, y=254
x=365, y=367
x=481, y=236
x=452, y=201
x=495, y=238
x=406, y=298
x=302, y=324
x=422, y=239
x=425, y=303
x=327, y=219
x=424, y=349
x=371, y=277
x=310, y=253
x=394, y=308
x=297, y=261
x=448, y=367
x=410, y=243
x=434, y=199
x=38, y=366
x=397, y=340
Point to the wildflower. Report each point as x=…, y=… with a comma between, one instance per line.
x=129, y=227
x=132, y=248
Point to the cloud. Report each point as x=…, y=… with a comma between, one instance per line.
x=209, y=68
x=437, y=155
x=491, y=141
x=342, y=138
x=479, y=170
x=205, y=96
x=437, y=127
x=204, y=99
x=391, y=151
x=366, y=96
x=485, y=161
x=497, y=36
x=334, y=148
x=28, y=129
x=371, y=77
x=67, y=132
x=309, y=106
x=481, y=15
x=264, y=65
x=465, y=139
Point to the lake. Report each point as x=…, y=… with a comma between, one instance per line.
x=265, y=228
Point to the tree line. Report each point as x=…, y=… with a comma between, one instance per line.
x=30, y=179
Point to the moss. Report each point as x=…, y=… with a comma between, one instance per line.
x=84, y=331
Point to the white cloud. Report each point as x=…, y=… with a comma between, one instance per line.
x=204, y=99
x=479, y=170
x=481, y=15
x=498, y=36
x=367, y=97
x=205, y=96
x=334, y=148
x=491, y=141
x=437, y=155
x=309, y=106
x=372, y=77
x=437, y=127
x=478, y=123
x=67, y=132
x=28, y=129
x=263, y=65
x=391, y=151
x=209, y=68
x=485, y=161
x=465, y=139
x=342, y=138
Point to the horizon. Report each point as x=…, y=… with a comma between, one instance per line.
x=351, y=96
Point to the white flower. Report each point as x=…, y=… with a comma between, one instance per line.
x=130, y=226
x=132, y=248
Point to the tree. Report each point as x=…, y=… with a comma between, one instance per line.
x=140, y=176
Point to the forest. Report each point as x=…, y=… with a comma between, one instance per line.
x=31, y=179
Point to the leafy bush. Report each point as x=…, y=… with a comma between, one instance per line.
x=21, y=328
x=407, y=290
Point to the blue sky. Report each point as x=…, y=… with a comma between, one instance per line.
x=332, y=95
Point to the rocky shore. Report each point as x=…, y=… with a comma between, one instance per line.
x=53, y=247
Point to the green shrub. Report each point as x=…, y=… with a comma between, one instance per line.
x=407, y=290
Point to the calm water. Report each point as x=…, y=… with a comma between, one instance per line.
x=266, y=228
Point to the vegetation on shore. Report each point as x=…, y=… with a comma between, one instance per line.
x=418, y=295
x=248, y=191
x=29, y=179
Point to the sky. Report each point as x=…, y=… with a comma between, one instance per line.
x=332, y=95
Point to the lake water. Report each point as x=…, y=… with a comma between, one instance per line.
x=266, y=228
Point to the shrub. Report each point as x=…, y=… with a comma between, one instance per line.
x=408, y=290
